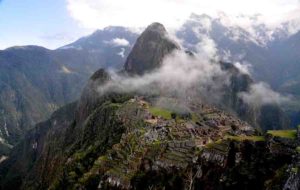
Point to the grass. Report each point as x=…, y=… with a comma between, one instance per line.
x=289, y=134
x=236, y=138
x=244, y=138
x=295, y=170
x=156, y=111
x=116, y=105
x=212, y=144
x=194, y=118
x=211, y=116
x=298, y=149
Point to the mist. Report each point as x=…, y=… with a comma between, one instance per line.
x=261, y=94
x=179, y=73
x=198, y=76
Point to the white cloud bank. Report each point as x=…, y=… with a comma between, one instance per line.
x=119, y=42
x=139, y=13
x=179, y=75
x=188, y=76
x=122, y=53
x=261, y=93
x=243, y=68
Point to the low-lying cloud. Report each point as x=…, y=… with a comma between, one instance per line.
x=179, y=73
x=261, y=94
x=122, y=42
x=243, y=68
x=187, y=76
x=122, y=53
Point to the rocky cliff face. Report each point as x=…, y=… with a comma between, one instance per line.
x=149, y=50
x=265, y=117
x=33, y=84
x=38, y=153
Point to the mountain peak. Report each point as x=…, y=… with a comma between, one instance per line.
x=156, y=27
x=149, y=50
x=200, y=17
x=101, y=75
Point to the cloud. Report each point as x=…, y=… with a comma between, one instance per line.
x=207, y=47
x=261, y=93
x=243, y=68
x=118, y=42
x=198, y=77
x=139, y=13
x=65, y=70
x=180, y=75
x=203, y=24
x=122, y=53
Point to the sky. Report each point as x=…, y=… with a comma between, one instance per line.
x=53, y=23
x=37, y=22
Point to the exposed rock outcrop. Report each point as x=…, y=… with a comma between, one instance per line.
x=149, y=50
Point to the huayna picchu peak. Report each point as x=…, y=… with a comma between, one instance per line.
x=149, y=50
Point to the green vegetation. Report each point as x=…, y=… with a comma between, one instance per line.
x=211, y=116
x=72, y=176
x=244, y=138
x=295, y=170
x=195, y=118
x=276, y=180
x=290, y=134
x=298, y=149
x=214, y=143
x=116, y=105
x=156, y=111
x=198, y=151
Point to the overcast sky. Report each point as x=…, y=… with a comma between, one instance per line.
x=52, y=23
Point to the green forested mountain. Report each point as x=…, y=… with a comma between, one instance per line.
x=35, y=81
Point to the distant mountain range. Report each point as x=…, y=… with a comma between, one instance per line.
x=36, y=81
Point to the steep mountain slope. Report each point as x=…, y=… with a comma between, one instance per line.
x=129, y=141
x=110, y=46
x=286, y=52
x=264, y=117
x=35, y=81
x=29, y=92
x=155, y=42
